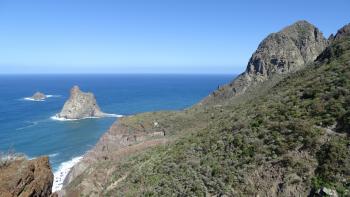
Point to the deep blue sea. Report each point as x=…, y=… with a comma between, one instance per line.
x=26, y=126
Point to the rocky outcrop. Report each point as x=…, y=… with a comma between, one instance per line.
x=80, y=105
x=334, y=52
x=341, y=33
x=38, y=96
x=24, y=178
x=279, y=53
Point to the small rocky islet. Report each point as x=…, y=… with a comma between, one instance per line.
x=38, y=96
x=80, y=105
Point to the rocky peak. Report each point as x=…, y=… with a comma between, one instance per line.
x=279, y=53
x=336, y=45
x=287, y=50
x=341, y=33
x=80, y=105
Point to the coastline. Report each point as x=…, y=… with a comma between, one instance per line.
x=62, y=171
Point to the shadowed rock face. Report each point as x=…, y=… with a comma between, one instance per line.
x=38, y=96
x=342, y=32
x=80, y=105
x=279, y=53
x=26, y=178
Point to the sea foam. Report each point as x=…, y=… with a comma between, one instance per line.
x=62, y=172
x=30, y=124
x=53, y=96
x=40, y=100
x=55, y=117
x=113, y=115
x=30, y=99
x=53, y=155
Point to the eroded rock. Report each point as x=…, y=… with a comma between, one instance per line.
x=25, y=178
x=80, y=105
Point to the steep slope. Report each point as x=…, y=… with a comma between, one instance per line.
x=286, y=138
x=279, y=53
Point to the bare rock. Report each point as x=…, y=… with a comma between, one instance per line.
x=38, y=96
x=341, y=33
x=80, y=105
x=327, y=192
x=26, y=178
x=334, y=52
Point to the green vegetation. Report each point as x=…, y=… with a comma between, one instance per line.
x=290, y=134
x=295, y=134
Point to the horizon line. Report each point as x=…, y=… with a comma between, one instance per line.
x=122, y=73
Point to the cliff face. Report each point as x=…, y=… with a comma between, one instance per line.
x=80, y=105
x=279, y=53
x=25, y=178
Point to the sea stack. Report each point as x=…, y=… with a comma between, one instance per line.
x=38, y=96
x=80, y=105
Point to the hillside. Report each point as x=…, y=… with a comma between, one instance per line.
x=287, y=135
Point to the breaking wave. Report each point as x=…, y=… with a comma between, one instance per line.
x=62, y=171
x=56, y=118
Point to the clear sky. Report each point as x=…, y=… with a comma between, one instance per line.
x=148, y=36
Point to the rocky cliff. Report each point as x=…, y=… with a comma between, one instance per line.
x=24, y=178
x=80, y=105
x=279, y=53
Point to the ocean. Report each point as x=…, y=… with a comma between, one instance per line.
x=27, y=127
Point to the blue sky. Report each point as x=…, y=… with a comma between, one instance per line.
x=148, y=36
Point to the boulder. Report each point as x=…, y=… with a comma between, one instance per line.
x=327, y=192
